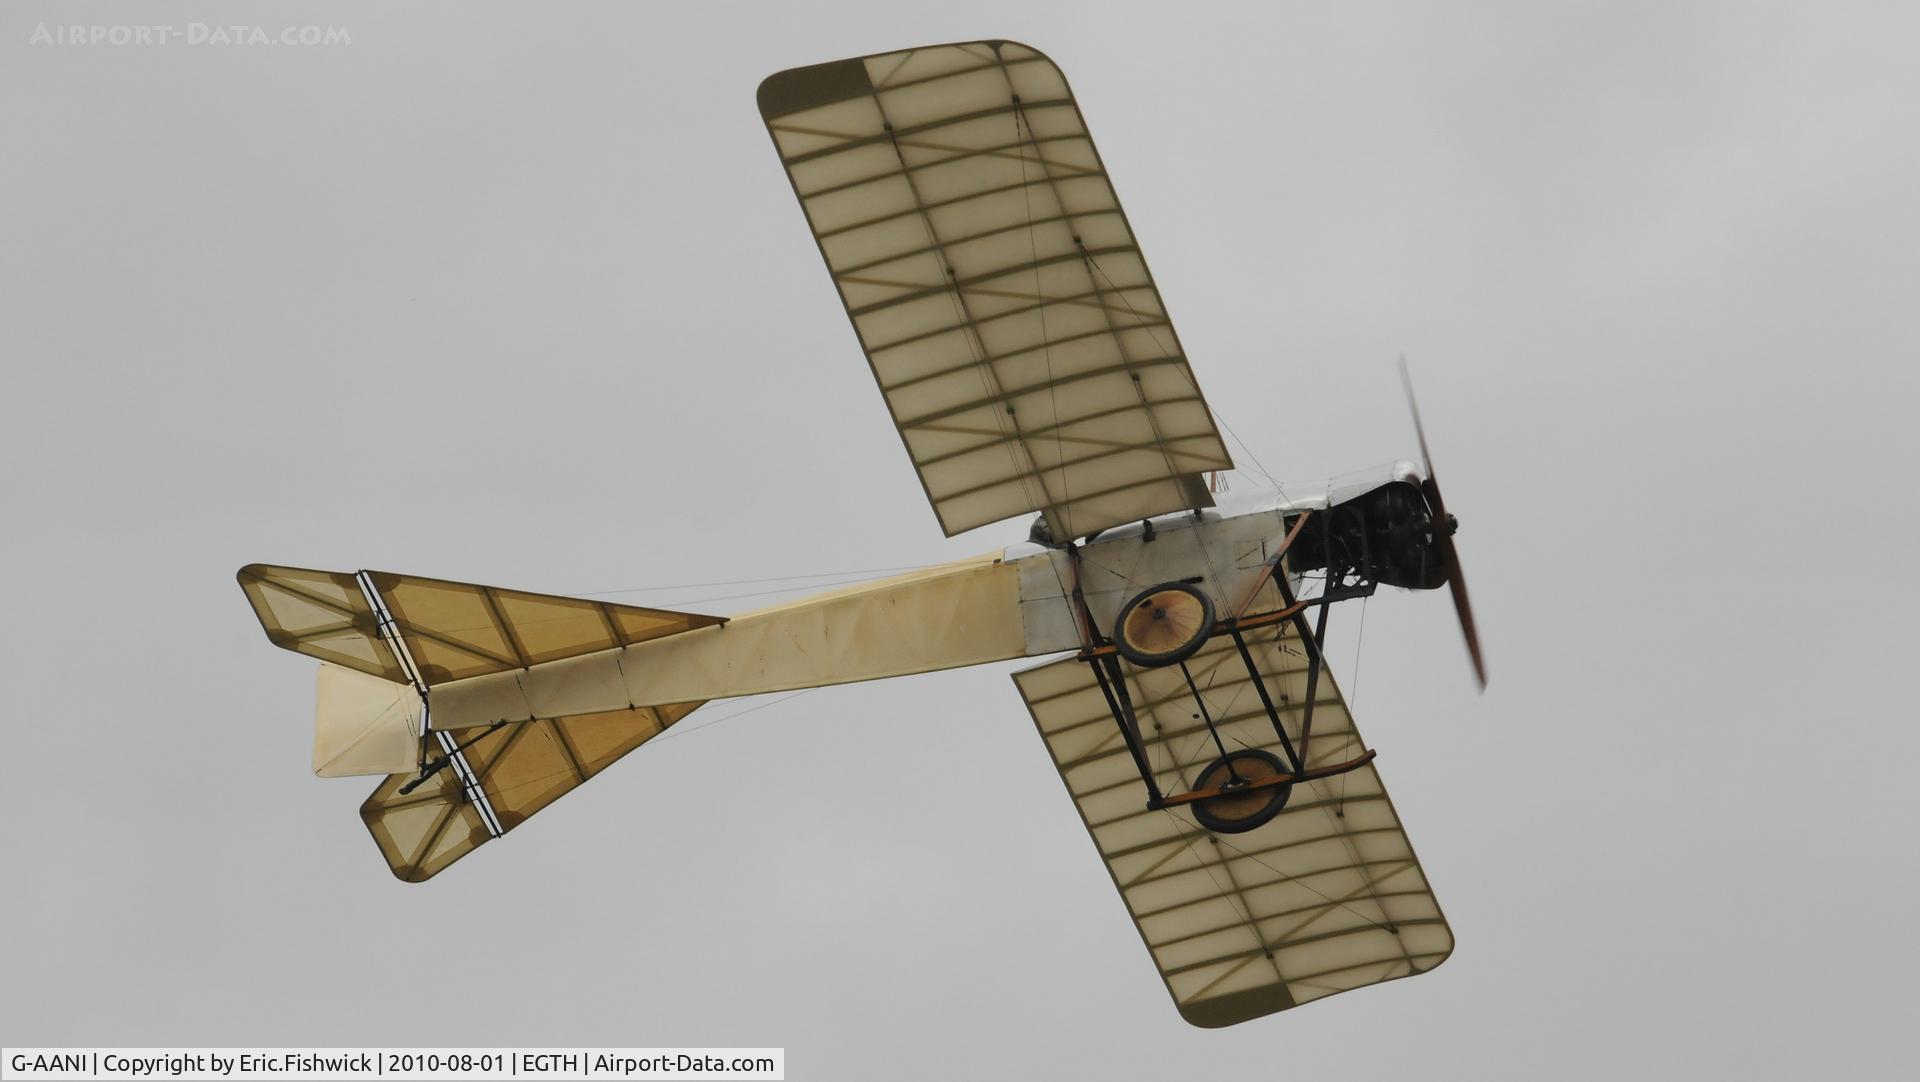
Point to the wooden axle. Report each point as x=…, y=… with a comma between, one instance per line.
x=1264, y=783
x=1243, y=623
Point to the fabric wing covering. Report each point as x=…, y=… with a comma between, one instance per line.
x=1325, y=898
x=995, y=285
x=497, y=782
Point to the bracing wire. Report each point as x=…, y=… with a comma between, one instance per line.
x=669, y=733
x=1187, y=372
x=741, y=582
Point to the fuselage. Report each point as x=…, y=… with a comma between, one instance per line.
x=1016, y=602
x=1224, y=550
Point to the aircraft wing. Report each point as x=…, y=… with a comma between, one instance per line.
x=1325, y=898
x=995, y=285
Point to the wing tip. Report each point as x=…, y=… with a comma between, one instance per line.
x=796, y=90
x=1234, y=1008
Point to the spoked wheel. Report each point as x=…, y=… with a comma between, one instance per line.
x=1238, y=812
x=1163, y=625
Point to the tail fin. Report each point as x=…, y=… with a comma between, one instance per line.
x=363, y=724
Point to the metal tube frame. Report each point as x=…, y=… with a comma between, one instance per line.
x=1104, y=660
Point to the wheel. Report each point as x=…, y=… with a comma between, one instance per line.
x=1163, y=625
x=1237, y=813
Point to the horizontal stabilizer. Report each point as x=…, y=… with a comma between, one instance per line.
x=321, y=614
x=452, y=630
x=496, y=782
x=455, y=630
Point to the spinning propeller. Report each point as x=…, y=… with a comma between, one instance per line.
x=1444, y=527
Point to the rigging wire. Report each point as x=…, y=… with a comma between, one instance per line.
x=1243, y=909
x=671, y=731
x=1009, y=426
x=1295, y=880
x=741, y=582
x=710, y=722
x=775, y=590
x=1187, y=371
x=970, y=329
x=1039, y=295
x=1353, y=696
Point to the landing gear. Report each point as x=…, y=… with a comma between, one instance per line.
x=1163, y=625
x=1250, y=792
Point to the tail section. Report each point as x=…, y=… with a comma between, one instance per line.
x=456, y=630
x=386, y=641
x=322, y=614
x=364, y=725
x=497, y=781
x=450, y=630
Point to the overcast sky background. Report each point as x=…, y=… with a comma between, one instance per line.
x=522, y=297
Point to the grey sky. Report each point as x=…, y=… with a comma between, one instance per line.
x=522, y=297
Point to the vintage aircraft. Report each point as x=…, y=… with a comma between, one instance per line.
x=1030, y=367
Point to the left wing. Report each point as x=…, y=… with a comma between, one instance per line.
x=995, y=285
x=1327, y=897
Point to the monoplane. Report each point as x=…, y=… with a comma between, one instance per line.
x=1028, y=362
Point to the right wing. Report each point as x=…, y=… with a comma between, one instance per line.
x=995, y=285
x=1327, y=897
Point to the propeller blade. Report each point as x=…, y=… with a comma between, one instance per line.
x=1457, y=583
x=1413, y=407
x=1443, y=535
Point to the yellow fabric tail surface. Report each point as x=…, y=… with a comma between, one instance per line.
x=497, y=781
x=383, y=636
